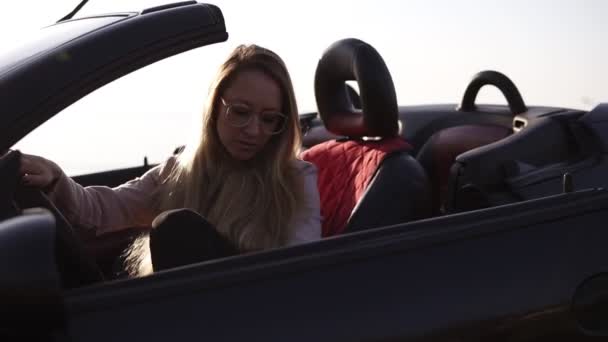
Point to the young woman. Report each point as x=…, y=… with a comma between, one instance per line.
x=243, y=176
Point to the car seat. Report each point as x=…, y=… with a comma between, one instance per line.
x=366, y=179
x=439, y=152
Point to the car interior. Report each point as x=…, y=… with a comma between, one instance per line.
x=360, y=181
x=406, y=163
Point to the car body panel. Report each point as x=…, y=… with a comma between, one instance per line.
x=59, y=73
x=33, y=294
x=420, y=280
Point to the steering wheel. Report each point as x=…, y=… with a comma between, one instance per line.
x=76, y=267
x=500, y=81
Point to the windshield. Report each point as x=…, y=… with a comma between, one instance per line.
x=553, y=50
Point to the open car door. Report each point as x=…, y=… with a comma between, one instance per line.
x=60, y=65
x=70, y=59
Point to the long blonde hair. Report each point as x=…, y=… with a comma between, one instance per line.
x=251, y=203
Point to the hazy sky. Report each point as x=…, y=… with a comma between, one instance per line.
x=554, y=50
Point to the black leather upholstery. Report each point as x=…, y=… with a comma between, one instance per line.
x=347, y=60
x=481, y=173
x=399, y=189
x=399, y=192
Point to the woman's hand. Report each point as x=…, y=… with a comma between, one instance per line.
x=38, y=172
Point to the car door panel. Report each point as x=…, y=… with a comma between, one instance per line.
x=63, y=72
x=485, y=278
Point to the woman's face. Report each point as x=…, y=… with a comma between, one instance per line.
x=248, y=109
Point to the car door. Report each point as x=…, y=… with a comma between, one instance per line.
x=57, y=67
x=71, y=59
x=521, y=272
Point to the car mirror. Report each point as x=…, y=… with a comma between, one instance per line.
x=30, y=286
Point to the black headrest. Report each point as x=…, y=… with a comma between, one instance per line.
x=354, y=60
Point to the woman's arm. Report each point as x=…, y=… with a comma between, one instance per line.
x=307, y=222
x=101, y=208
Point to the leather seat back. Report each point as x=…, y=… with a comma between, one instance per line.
x=440, y=151
x=359, y=176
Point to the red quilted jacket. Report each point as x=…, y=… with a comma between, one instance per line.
x=345, y=168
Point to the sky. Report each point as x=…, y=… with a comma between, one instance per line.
x=554, y=51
